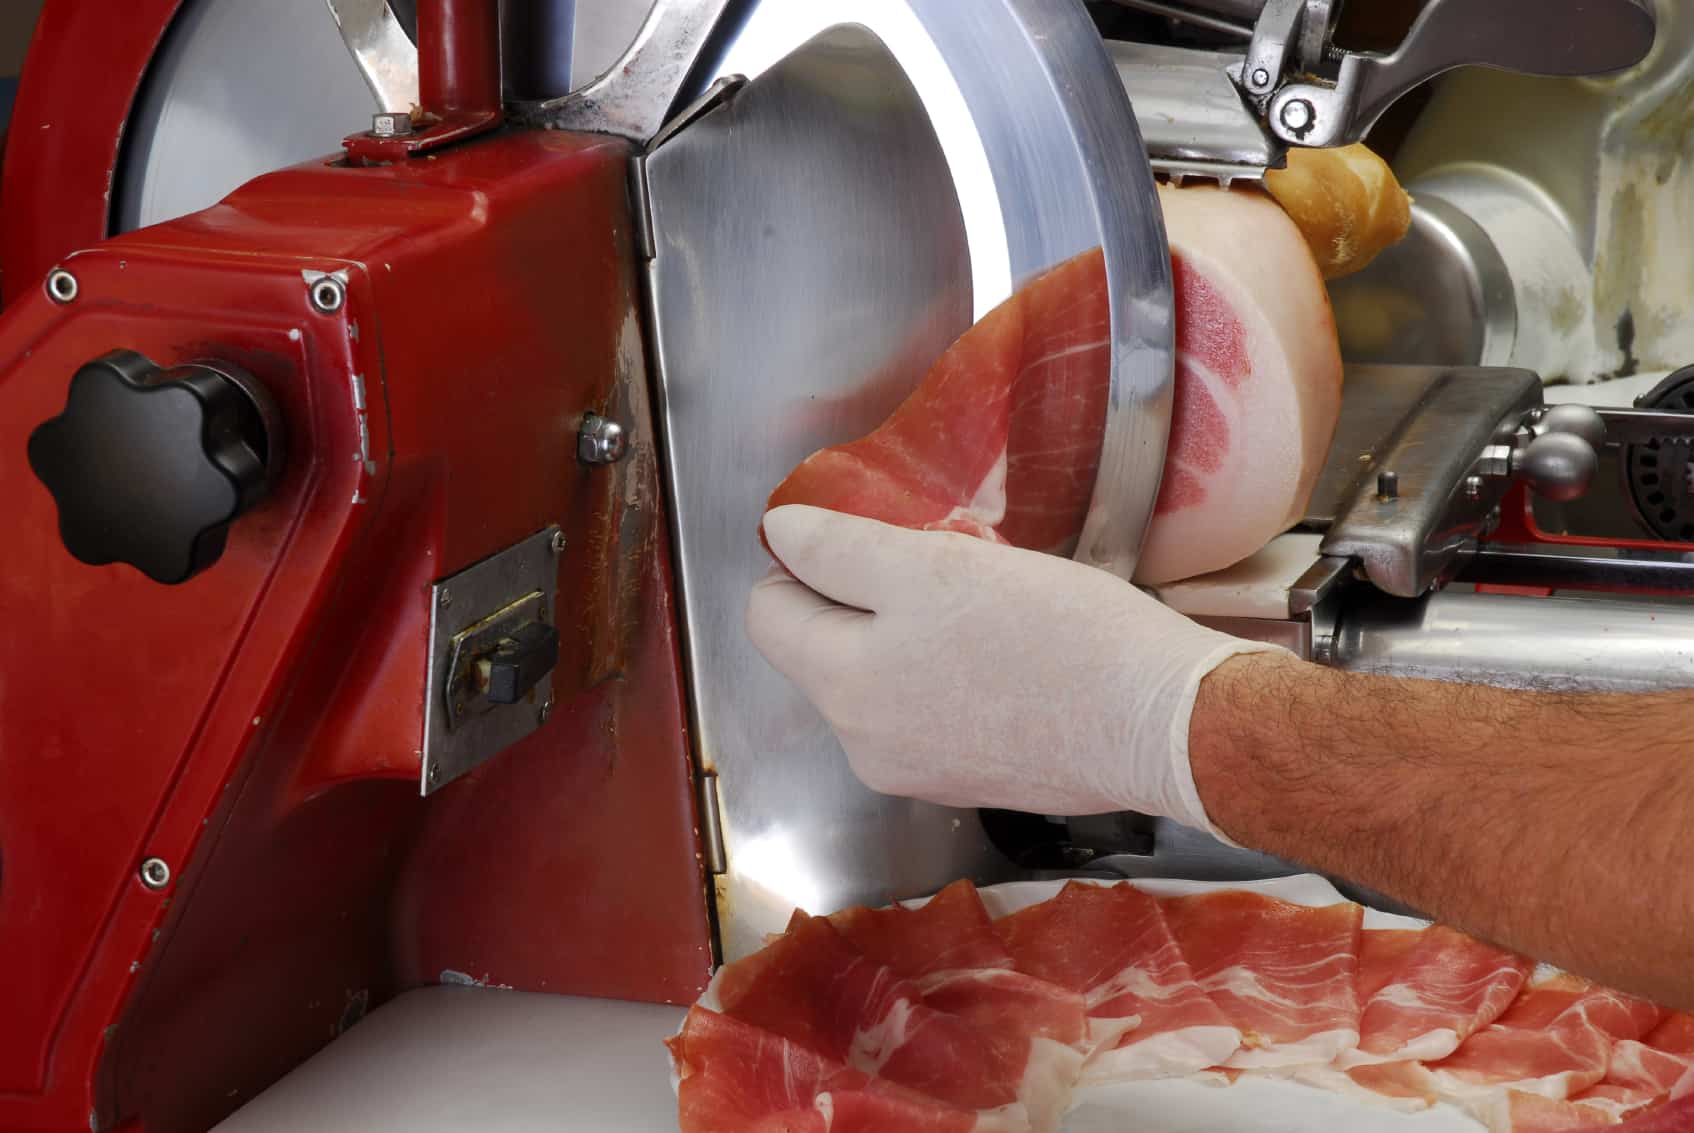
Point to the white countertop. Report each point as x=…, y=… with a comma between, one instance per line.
x=446, y=1059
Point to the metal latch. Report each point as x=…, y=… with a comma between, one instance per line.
x=494, y=644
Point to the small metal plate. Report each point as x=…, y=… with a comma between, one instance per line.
x=485, y=597
x=1427, y=424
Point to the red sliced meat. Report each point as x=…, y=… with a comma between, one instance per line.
x=1676, y=1117
x=1002, y=438
x=1425, y=991
x=1554, y=1042
x=811, y=987
x=1111, y=945
x=1284, y=974
x=1662, y=1063
x=736, y=1077
x=949, y=948
x=951, y=930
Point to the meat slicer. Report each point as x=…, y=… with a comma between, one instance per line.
x=381, y=521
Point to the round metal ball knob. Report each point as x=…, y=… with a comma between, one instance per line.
x=150, y=467
x=1559, y=466
x=1577, y=420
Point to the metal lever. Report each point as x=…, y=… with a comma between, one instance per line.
x=634, y=97
x=1538, y=37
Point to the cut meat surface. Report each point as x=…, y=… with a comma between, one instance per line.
x=734, y=1077
x=1284, y=974
x=1001, y=439
x=1258, y=382
x=1111, y=945
x=811, y=987
x=1425, y=992
x=948, y=946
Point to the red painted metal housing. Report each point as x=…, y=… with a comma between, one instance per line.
x=258, y=728
x=80, y=80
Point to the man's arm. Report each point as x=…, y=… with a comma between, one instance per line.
x=1557, y=825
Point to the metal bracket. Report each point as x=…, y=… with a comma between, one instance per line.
x=471, y=612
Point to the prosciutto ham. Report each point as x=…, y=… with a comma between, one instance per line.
x=1001, y=439
x=810, y=987
x=735, y=1076
x=941, y=1018
x=1111, y=944
x=949, y=948
x=1283, y=974
x=1424, y=992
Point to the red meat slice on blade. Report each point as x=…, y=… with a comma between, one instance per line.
x=811, y=987
x=1425, y=991
x=1002, y=438
x=737, y=1077
x=1284, y=974
x=1110, y=943
x=949, y=949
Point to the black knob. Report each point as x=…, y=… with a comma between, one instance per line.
x=150, y=467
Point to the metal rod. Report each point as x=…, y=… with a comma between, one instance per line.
x=1564, y=644
x=1188, y=16
x=1573, y=567
x=459, y=56
x=538, y=37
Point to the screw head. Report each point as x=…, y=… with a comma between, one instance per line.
x=558, y=542
x=155, y=874
x=62, y=286
x=1473, y=487
x=434, y=774
x=445, y=598
x=389, y=124
x=328, y=294
x=1297, y=115
x=601, y=441
x=1260, y=78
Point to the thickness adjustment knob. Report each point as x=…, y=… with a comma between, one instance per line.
x=150, y=467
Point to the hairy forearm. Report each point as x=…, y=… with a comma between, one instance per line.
x=1557, y=825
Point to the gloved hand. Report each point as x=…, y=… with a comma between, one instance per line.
x=968, y=673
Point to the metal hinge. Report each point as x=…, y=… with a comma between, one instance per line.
x=711, y=824
x=643, y=207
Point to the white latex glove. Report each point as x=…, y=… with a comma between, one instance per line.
x=969, y=673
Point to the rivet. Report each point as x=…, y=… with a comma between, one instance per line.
x=328, y=294
x=62, y=286
x=155, y=874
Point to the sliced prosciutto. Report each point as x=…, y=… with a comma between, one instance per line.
x=738, y=1077
x=812, y=988
x=1554, y=1042
x=1001, y=439
x=949, y=949
x=1661, y=1064
x=1283, y=974
x=1425, y=991
x=1111, y=945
